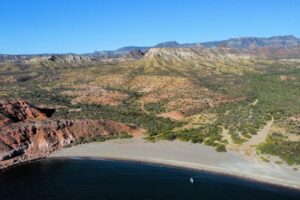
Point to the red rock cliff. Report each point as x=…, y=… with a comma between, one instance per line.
x=26, y=133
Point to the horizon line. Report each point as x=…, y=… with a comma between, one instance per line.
x=150, y=46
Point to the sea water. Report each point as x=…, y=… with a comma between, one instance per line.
x=57, y=179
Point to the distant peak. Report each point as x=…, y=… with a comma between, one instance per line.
x=285, y=37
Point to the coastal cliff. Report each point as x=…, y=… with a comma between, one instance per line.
x=27, y=133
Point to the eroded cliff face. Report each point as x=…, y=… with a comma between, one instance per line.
x=26, y=133
x=17, y=111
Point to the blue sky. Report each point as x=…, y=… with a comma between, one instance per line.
x=79, y=26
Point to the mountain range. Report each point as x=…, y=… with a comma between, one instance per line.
x=287, y=46
x=237, y=43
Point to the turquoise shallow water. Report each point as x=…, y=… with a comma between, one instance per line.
x=103, y=179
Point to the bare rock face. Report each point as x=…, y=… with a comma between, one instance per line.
x=16, y=111
x=4, y=120
x=35, y=136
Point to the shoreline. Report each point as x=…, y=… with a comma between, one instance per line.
x=186, y=167
x=228, y=164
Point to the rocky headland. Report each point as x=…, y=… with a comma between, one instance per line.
x=27, y=133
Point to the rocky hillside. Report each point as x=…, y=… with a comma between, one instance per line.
x=46, y=60
x=49, y=60
x=189, y=60
x=274, y=53
x=26, y=132
x=216, y=59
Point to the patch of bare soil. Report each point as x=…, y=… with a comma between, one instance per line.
x=289, y=128
x=8, y=79
x=285, y=78
x=143, y=107
x=96, y=95
x=180, y=94
x=248, y=147
x=231, y=145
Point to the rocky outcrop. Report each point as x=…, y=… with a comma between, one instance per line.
x=71, y=60
x=28, y=134
x=61, y=60
x=138, y=54
x=187, y=60
x=16, y=111
x=4, y=120
x=197, y=55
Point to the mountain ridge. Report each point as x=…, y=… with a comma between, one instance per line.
x=241, y=42
x=282, y=41
x=286, y=46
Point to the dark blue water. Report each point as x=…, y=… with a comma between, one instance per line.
x=102, y=179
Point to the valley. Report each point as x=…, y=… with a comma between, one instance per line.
x=226, y=98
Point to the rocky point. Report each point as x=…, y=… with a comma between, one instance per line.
x=27, y=133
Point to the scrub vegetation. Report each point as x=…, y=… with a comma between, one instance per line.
x=171, y=99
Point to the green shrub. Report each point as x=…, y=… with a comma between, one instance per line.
x=220, y=148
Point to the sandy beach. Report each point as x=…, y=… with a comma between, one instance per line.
x=184, y=154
